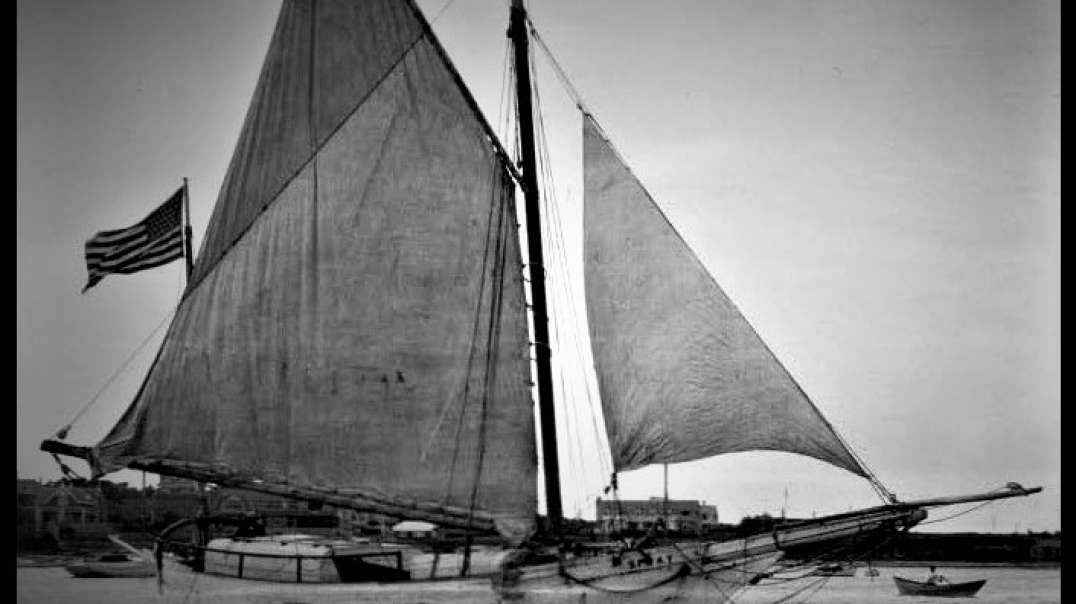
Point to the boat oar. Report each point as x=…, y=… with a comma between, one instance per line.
x=127, y=546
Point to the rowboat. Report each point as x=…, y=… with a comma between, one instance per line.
x=908, y=587
x=112, y=565
x=134, y=563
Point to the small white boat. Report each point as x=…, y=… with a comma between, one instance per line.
x=133, y=563
x=112, y=565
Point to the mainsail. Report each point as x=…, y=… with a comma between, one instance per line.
x=356, y=319
x=682, y=375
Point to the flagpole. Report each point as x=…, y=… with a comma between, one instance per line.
x=187, y=230
x=203, y=531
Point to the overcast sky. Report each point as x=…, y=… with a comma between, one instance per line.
x=876, y=185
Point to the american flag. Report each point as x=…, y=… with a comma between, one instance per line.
x=157, y=240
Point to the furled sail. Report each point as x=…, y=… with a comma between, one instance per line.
x=682, y=375
x=356, y=320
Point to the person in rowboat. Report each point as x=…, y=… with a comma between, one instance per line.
x=936, y=578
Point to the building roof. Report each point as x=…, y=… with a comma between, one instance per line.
x=414, y=526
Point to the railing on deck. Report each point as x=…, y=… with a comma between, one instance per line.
x=201, y=552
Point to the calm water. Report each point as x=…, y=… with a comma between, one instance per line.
x=1004, y=585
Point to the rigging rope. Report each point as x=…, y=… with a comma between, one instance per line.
x=817, y=585
x=682, y=572
x=727, y=597
x=967, y=511
x=464, y=396
x=441, y=12
x=556, y=238
x=557, y=69
x=576, y=458
x=62, y=432
x=883, y=492
x=568, y=327
x=496, y=251
x=493, y=337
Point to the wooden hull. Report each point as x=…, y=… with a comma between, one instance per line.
x=690, y=571
x=311, y=560
x=670, y=573
x=908, y=587
x=105, y=570
x=535, y=584
x=180, y=584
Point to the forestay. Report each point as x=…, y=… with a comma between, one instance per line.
x=356, y=318
x=682, y=375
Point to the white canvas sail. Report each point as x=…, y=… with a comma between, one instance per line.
x=355, y=321
x=682, y=375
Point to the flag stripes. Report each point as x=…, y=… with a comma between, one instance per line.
x=156, y=240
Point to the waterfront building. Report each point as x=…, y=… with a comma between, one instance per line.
x=686, y=516
x=51, y=513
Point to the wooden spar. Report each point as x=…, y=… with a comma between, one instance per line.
x=448, y=516
x=902, y=515
x=62, y=448
x=815, y=531
x=458, y=517
x=127, y=546
x=839, y=526
x=1012, y=490
x=899, y=516
x=517, y=31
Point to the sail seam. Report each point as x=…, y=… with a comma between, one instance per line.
x=493, y=336
x=312, y=243
x=426, y=33
x=466, y=92
x=247, y=122
x=306, y=163
x=471, y=353
x=559, y=253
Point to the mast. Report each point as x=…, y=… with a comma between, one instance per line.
x=517, y=31
x=187, y=255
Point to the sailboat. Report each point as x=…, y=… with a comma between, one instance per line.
x=355, y=330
